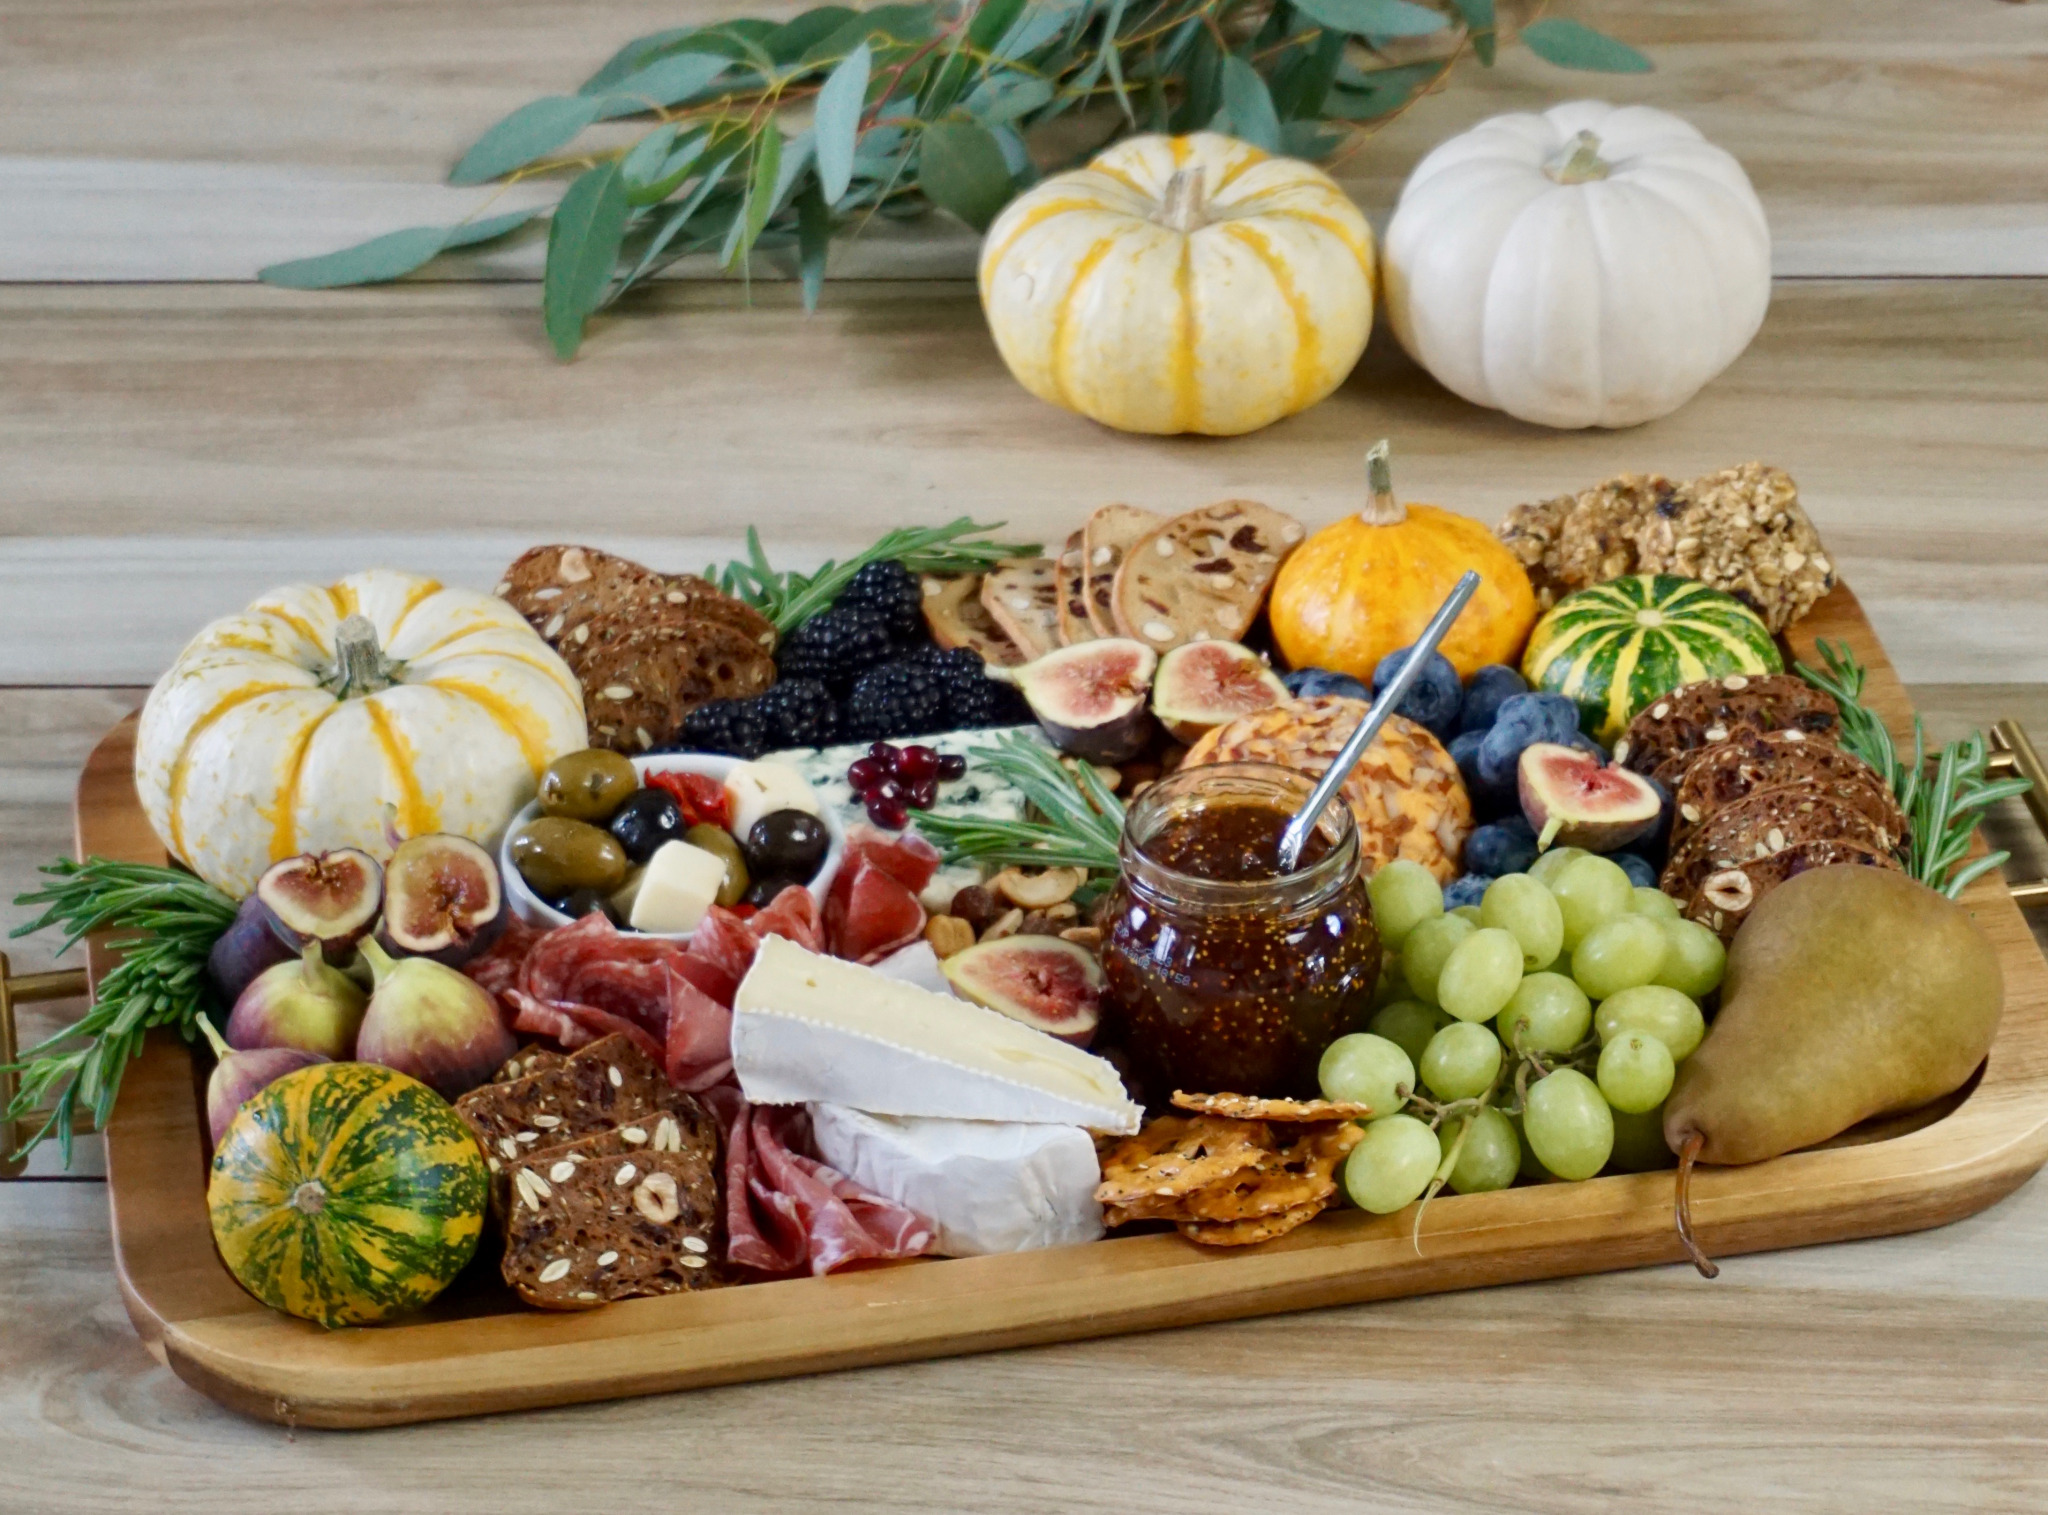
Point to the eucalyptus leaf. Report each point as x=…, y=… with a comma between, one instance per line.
x=961, y=169
x=391, y=256
x=1479, y=21
x=837, y=121
x=1571, y=45
x=763, y=173
x=814, y=242
x=669, y=82
x=1384, y=18
x=888, y=23
x=678, y=218
x=1250, y=106
x=1003, y=97
x=583, y=247
x=798, y=35
x=532, y=131
x=992, y=22
x=642, y=165
x=1039, y=24
x=634, y=56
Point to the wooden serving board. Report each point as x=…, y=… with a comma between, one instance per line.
x=476, y=1351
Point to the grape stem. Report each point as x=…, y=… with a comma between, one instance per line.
x=1449, y=1164
x=1681, y=1209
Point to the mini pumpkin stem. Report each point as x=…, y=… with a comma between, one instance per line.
x=1580, y=163
x=1186, y=205
x=310, y=1198
x=1382, y=509
x=360, y=666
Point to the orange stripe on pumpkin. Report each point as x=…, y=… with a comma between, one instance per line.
x=181, y=764
x=298, y=624
x=1186, y=394
x=1252, y=158
x=1306, y=374
x=518, y=722
x=1032, y=219
x=1083, y=270
x=1362, y=251
x=426, y=591
x=284, y=825
x=343, y=598
x=415, y=816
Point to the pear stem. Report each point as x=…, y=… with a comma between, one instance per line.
x=360, y=667
x=1579, y=163
x=1681, y=1208
x=1185, y=206
x=1383, y=509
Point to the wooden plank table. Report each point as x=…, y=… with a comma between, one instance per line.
x=174, y=441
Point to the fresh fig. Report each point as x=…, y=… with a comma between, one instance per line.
x=427, y=1020
x=442, y=900
x=326, y=897
x=1090, y=697
x=1201, y=685
x=238, y=1075
x=1050, y=984
x=244, y=950
x=304, y=1003
x=1570, y=797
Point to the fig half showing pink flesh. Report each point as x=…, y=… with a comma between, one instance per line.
x=1090, y=698
x=327, y=897
x=442, y=899
x=1202, y=685
x=1050, y=984
x=1574, y=800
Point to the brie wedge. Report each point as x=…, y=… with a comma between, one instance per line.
x=986, y=1186
x=807, y=1028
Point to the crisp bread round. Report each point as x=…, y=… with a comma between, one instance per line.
x=1768, y=821
x=957, y=618
x=1729, y=772
x=1202, y=575
x=1724, y=901
x=1700, y=714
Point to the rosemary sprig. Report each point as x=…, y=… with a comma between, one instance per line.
x=1943, y=807
x=1079, y=820
x=161, y=980
x=789, y=599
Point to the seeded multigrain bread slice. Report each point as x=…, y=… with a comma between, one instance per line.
x=609, y=1083
x=638, y=684
x=1071, y=575
x=617, y=1214
x=1024, y=599
x=1729, y=772
x=1697, y=715
x=560, y=584
x=1203, y=575
x=957, y=618
x=1105, y=541
x=1768, y=821
x=1724, y=901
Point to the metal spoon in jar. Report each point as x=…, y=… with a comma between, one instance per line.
x=1295, y=837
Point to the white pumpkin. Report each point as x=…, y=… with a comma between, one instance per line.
x=337, y=716
x=1181, y=284
x=1591, y=266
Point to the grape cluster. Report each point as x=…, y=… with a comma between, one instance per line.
x=1546, y=1023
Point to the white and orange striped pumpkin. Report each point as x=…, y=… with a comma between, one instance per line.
x=1181, y=284
x=340, y=716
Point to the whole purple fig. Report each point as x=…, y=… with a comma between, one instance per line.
x=303, y=1003
x=244, y=950
x=238, y=1075
x=427, y=1020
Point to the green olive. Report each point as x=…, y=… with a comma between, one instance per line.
x=558, y=856
x=719, y=842
x=587, y=785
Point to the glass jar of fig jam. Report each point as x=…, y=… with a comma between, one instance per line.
x=1226, y=974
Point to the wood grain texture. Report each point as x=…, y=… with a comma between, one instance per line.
x=246, y=437
x=201, y=139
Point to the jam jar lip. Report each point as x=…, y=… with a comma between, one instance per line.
x=1193, y=789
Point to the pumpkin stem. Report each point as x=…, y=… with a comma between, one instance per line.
x=1384, y=509
x=1579, y=163
x=360, y=666
x=1185, y=206
x=310, y=1198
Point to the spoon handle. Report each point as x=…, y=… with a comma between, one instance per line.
x=1295, y=837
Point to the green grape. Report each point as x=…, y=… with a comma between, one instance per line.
x=1404, y=895
x=1549, y=1013
x=1569, y=1124
x=1639, y=1142
x=1547, y=867
x=1694, y=959
x=1518, y=904
x=1635, y=1072
x=1461, y=1061
x=1392, y=1165
x=1530, y=1169
x=1428, y=946
x=1368, y=1070
x=1480, y=975
x=1589, y=890
x=1491, y=1156
x=1408, y=1024
x=1661, y=1012
x=1654, y=903
x=1467, y=912
x=1619, y=954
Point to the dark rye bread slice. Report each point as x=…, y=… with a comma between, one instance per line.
x=957, y=618
x=1701, y=714
x=1107, y=538
x=1024, y=599
x=638, y=684
x=561, y=588
x=1728, y=772
x=1071, y=578
x=527, y=1061
x=1203, y=575
x=608, y=1083
x=1764, y=823
x=1724, y=900
x=617, y=1214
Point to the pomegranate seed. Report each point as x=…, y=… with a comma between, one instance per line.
x=952, y=765
x=865, y=774
x=890, y=815
x=915, y=763
x=883, y=753
x=924, y=793
x=887, y=789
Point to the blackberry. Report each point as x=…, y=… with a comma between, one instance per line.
x=729, y=726
x=798, y=713
x=973, y=698
x=835, y=648
x=892, y=592
x=902, y=698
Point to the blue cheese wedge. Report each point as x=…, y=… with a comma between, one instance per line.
x=986, y=1186
x=808, y=1028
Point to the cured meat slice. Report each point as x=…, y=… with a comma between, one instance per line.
x=498, y=969
x=870, y=913
x=699, y=1051
x=909, y=859
x=723, y=942
x=793, y=915
x=576, y=1025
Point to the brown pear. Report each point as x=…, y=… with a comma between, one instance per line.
x=1851, y=992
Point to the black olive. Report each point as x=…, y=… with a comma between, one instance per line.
x=788, y=844
x=646, y=819
x=761, y=893
x=589, y=902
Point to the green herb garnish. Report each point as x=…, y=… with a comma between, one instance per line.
x=789, y=599
x=1079, y=820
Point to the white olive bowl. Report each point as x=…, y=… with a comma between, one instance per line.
x=535, y=911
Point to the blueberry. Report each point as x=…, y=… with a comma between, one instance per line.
x=1523, y=720
x=1638, y=869
x=1308, y=683
x=1435, y=696
x=1469, y=890
x=1498, y=849
x=1518, y=825
x=1657, y=839
x=1490, y=685
x=1465, y=753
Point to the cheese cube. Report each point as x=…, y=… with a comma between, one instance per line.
x=679, y=884
x=753, y=790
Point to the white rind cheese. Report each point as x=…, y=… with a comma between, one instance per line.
x=809, y=1028
x=986, y=1186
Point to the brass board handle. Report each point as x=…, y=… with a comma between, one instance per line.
x=2012, y=753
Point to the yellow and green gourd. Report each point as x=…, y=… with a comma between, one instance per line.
x=1617, y=646
x=347, y=1192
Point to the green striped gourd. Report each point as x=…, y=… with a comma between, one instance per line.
x=346, y=1192
x=1617, y=646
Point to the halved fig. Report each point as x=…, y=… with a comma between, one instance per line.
x=327, y=897
x=1049, y=984
x=1570, y=797
x=442, y=899
x=1201, y=685
x=1090, y=697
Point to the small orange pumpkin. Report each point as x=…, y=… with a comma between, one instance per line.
x=1367, y=585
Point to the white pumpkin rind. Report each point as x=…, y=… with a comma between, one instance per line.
x=244, y=757
x=1099, y=306
x=1604, y=303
